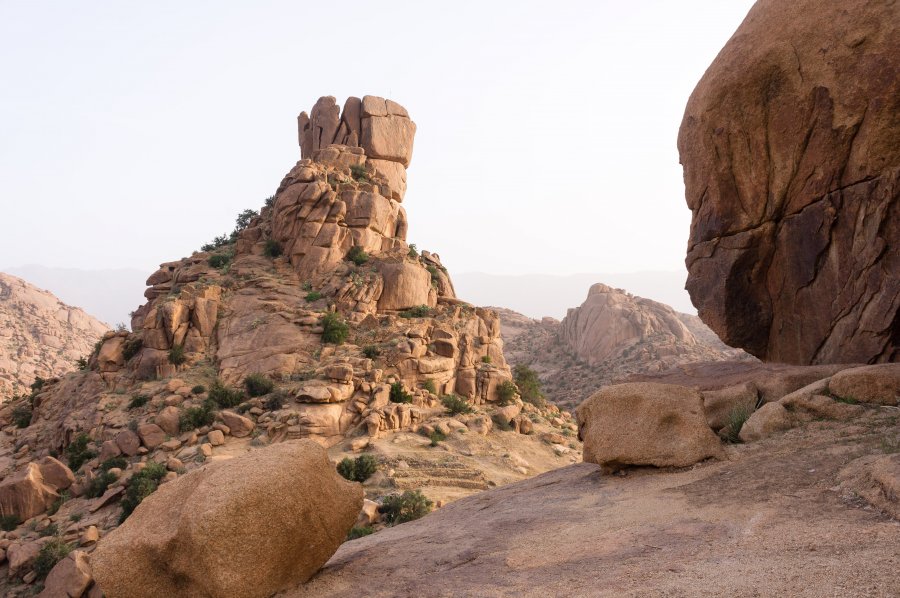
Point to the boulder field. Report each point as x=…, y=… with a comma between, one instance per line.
x=792, y=175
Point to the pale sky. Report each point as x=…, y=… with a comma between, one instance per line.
x=133, y=132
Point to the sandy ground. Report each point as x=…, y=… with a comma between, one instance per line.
x=770, y=521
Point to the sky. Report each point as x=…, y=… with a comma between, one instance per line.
x=133, y=132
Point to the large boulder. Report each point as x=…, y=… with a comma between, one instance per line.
x=876, y=479
x=879, y=384
x=644, y=423
x=69, y=578
x=244, y=527
x=25, y=494
x=792, y=173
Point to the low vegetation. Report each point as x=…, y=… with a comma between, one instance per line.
x=220, y=260
x=176, y=355
x=313, y=296
x=132, y=347
x=409, y=506
x=419, y=311
x=359, y=469
x=436, y=437
x=334, y=329
x=258, y=385
x=9, y=522
x=359, y=174
x=736, y=420
x=78, y=452
x=359, y=531
x=138, y=401
x=272, y=248
x=506, y=392
x=198, y=417
x=529, y=385
x=50, y=554
x=371, y=351
x=399, y=394
x=455, y=404
x=142, y=484
x=21, y=415
x=223, y=396
x=430, y=386
x=357, y=255
x=100, y=484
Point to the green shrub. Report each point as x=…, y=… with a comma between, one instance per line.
x=359, y=469
x=360, y=531
x=419, y=311
x=37, y=385
x=132, y=347
x=219, y=260
x=120, y=462
x=138, y=401
x=371, y=351
x=21, y=415
x=400, y=508
x=51, y=553
x=313, y=296
x=258, y=385
x=455, y=404
x=486, y=359
x=276, y=400
x=506, y=392
x=100, y=484
x=736, y=419
x=50, y=530
x=433, y=271
x=78, y=452
x=436, y=437
x=430, y=386
x=501, y=422
x=335, y=329
x=198, y=390
x=9, y=522
x=399, y=394
x=176, y=355
x=197, y=417
x=54, y=507
x=357, y=255
x=223, y=396
x=413, y=251
x=272, y=249
x=529, y=385
x=270, y=201
x=76, y=517
x=141, y=485
x=243, y=220
x=82, y=363
x=358, y=172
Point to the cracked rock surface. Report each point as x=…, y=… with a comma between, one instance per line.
x=792, y=173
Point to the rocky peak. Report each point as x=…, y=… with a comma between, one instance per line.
x=39, y=335
x=610, y=321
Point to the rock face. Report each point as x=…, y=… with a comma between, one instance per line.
x=646, y=424
x=792, y=173
x=609, y=337
x=39, y=335
x=25, y=494
x=248, y=526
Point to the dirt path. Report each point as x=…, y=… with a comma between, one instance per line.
x=771, y=521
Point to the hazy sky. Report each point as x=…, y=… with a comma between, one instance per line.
x=132, y=132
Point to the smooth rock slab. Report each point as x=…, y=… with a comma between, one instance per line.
x=245, y=527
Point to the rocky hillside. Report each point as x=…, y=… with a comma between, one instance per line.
x=313, y=320
x=39, y=335
x=613, y=335
x=792, y=175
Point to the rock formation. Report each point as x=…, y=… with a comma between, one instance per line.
x=611, y=336
x=250, y=526
x=40, y=336
x=792, y=173
x=313, y=320
x=643, y=423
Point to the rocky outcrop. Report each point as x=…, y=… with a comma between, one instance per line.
x=792, y=173
x=39, y=335
x=645, y=424
x=611, y=322
x=609, y=337
x=25, y=494
x=249, y=526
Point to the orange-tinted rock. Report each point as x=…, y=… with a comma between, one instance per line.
x=55, y=473
x=792, y=172
x=25, y=494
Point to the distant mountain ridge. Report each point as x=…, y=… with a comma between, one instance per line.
x=539, y=295
x=39, y=335
x=611, y=336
